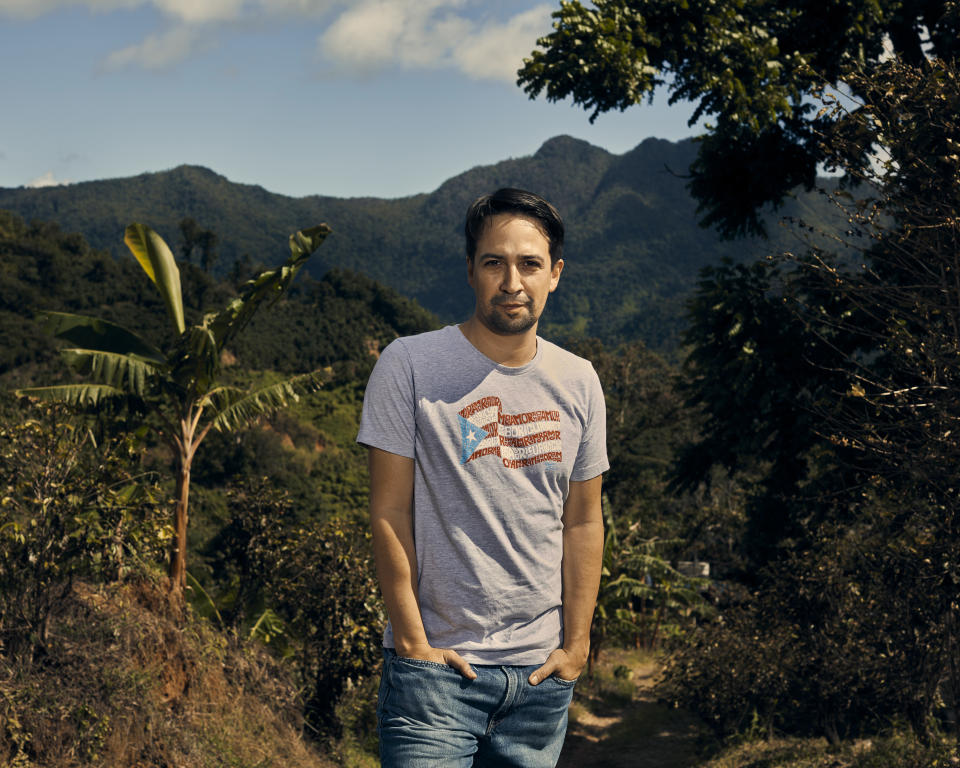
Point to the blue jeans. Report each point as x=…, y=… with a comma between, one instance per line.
x=430, y=716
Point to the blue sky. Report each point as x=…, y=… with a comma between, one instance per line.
x=337, y=97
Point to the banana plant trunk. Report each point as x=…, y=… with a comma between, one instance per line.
x=177, y=570
x=186, y=446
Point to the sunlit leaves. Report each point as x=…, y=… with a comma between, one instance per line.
x=265, y=287
x=125, y=372
x=749, y=66
x=157, y=261
x=175, y=386
x=240, y=409
x=81, y=395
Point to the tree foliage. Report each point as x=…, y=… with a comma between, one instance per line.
x=179, y=387
x=627, y=215
x=762, y=376
x=73, y=506
x=855, y=616
x=305, y=587
x=749, y=66
x=643, y=598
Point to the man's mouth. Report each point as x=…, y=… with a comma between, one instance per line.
x=511, y=305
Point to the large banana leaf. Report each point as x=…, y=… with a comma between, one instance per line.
x=101, y=335
x=76, y=394
x=127, y=372
x=222, y=398
x=267, y=286
x=627, y=586
x=157, y=261
x=196, y=360
x=245, y=410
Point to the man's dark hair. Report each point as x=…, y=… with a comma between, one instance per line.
x=520, y=203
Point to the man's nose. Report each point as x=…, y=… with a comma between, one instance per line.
x=511, y=280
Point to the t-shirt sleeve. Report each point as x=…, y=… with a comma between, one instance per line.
x=592, y=455
x=388, y=418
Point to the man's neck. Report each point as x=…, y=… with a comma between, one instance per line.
x=511, y=350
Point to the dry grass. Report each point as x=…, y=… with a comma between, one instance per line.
x=125, y=681
x=617, y=721
x=895, y=750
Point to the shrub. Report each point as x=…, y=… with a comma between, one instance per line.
x=72, y=506
x=326, y=591
x=307, y=590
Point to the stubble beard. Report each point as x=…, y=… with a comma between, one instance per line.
x=498, y=322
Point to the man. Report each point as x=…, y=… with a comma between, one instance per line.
x=487, y=446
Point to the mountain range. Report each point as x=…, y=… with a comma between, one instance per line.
x=632, y=254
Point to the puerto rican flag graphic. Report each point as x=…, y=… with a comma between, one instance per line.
x=519, y=440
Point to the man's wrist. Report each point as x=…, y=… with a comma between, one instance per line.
x=411, y=650
x=577, y=651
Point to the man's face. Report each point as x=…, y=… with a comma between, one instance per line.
x=511, y=273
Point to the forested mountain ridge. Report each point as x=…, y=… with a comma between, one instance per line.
x=336, y=321
x=632, y=253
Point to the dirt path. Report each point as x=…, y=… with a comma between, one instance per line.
x=618, y=723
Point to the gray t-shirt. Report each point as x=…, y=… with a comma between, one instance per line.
x=494, y=450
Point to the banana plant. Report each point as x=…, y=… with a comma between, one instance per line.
x=180, y=385
x=635, y=576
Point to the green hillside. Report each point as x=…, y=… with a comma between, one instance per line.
x=335, y=321
x=633, y=250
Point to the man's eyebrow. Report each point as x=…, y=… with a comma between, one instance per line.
x=519, y=256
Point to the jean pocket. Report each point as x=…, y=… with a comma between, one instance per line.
x=423, y=664
x=562, y=682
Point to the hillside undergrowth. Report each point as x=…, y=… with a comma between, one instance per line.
x=125, y=679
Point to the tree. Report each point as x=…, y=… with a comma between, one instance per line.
x=903, y=289
x=860, y=395
x=901, y=411
x=194, y=236
x=641, y=594
x=750, y=66
x=74, y=506
x=763, y=377
x=178, y=387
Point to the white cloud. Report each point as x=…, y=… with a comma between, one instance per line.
x=30, y=9
x=195, y=26
x=193, y=11
x=378, y=32
x=496, y=51
x=47, y=180
x=888, y=52
x=157, y=51
x=432, y=34
x=189, y=11
x=366, y=35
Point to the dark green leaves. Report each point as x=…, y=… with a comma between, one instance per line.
x=100, y=335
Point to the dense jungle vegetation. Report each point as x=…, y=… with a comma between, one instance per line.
x=825, y=375
x=805, y=448
x=278, y=558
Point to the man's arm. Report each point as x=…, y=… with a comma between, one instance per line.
x=582, y=562
x=391, y=519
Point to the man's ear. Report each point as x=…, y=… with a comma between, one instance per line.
x=555, y=269
x=470, y=271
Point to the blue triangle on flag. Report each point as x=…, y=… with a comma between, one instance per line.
x=470, y=437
